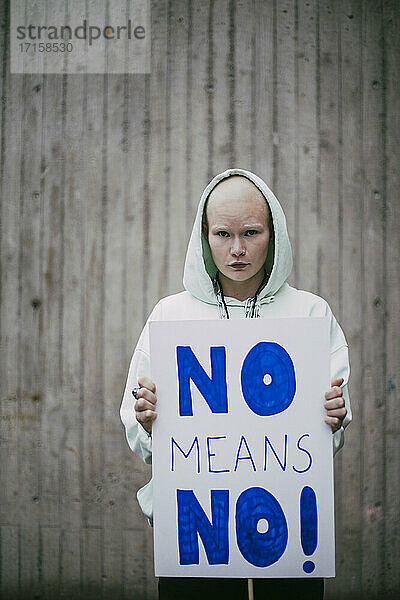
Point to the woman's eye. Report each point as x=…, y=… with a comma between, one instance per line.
x=251, y=232
x=223, y=233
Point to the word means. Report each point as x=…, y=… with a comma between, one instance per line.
x=243, y=453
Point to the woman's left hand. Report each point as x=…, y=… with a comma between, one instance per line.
x=334, y=404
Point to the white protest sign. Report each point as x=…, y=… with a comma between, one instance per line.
x=242, y=457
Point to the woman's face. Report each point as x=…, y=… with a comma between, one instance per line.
x=238, y=232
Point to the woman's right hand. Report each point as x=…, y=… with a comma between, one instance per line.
x=146, y=403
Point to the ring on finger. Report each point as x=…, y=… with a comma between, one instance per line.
x=135, y=392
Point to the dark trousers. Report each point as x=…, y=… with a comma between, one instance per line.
x=193, y=588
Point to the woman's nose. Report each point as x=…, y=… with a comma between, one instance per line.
x=238, y=248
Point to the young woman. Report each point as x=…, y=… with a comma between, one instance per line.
x=238, y=259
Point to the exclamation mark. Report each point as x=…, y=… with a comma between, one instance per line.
x=308, y=525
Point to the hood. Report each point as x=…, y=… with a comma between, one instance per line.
x=199, y=265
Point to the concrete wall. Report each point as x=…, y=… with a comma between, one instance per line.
x=100, y=178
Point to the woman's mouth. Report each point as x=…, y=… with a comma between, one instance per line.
x=238, y=265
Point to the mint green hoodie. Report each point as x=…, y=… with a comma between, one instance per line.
x=199, y=301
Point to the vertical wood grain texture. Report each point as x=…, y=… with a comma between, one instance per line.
x=373, y=301
x=391, y=49
x=29, y=340
x=100, y=179
x=303, y=225
x=114, y=346
x=135, y=530
x=11, y=116
x=243, y=69
x=284, y=16
x=51, y=309
x=94, y=216
x=70, y=444
x=263, y=90
x=347, y=473
x=328, y=185
x=200, y=90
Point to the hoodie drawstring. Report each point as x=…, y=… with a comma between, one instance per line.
x=252, y=308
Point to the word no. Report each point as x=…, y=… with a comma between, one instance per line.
x=255, y=504
x=268, y=379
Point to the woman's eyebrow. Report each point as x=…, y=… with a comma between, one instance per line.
x=244, y=226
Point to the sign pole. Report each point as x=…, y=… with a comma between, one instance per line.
x=250, y=590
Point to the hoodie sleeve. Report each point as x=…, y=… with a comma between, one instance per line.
x=340, y=366
x=138, y=439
